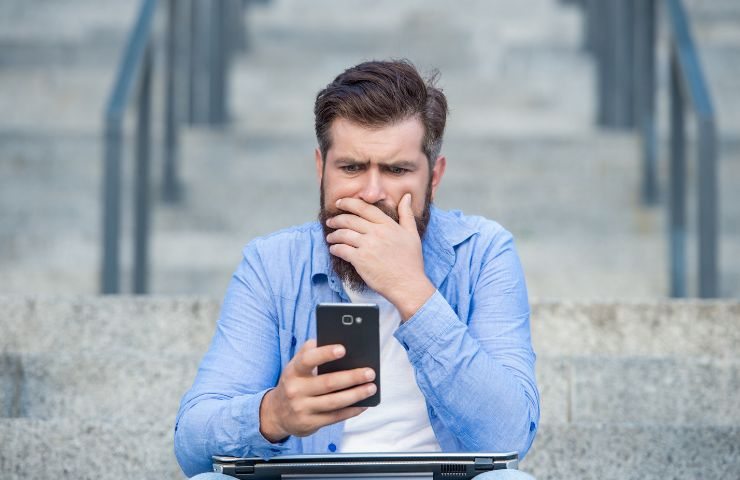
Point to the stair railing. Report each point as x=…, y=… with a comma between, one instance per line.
x=621, y=35
x=201, y=36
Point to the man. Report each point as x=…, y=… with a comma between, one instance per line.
x=456, y=354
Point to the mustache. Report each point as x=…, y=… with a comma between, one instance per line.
x=326, y=213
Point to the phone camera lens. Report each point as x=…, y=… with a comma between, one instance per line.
x=347, y=319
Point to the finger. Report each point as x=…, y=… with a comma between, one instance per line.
x=333, y=382
x=363, y=209
x=309, y=358
x=406, y=214
x=338, y=400
x=345, y=252
x=345, y=236
x=350, y=221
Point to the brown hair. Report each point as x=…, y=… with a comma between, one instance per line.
x=380, y=93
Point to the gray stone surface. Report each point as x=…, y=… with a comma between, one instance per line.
x=554, y=381
x=86, y=450
x=609, y=451
x=695, y=328
x=656, y=391
x=639, y=390
x=11, y=379
x=181, y=324
x=565, y=451
x=105, y=386
x=100, y=324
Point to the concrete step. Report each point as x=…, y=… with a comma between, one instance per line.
x=639, y=390
x=530, y=21
x=82, y=449
x=185, y=324
x=118, y=386
x=104, y=324
x=64, y=26
x=70, y=449
x=106, y=386
x=57, y=99
x=611, y=451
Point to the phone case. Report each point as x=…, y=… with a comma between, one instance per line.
x=337, y=323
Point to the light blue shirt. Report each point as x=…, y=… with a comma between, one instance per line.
x=469, y=344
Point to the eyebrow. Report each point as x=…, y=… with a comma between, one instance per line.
x=409, y=164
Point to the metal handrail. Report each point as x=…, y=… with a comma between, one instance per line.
x=687, y=79
x=135, y=70
x=626, y=99
x=216, y=29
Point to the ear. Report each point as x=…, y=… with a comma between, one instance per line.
x=319, y=164
x=437, y=172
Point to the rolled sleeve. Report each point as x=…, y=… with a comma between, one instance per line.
x=432, y=321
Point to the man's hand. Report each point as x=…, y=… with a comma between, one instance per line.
x=303, y=402
x=386, y=254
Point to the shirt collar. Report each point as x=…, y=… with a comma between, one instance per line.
x=444, y=232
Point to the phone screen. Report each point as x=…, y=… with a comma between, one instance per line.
x=357, y=328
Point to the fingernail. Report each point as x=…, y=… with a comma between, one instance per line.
x=371, y=389
x=338, y=351
x=370, y=374
x=338, y=202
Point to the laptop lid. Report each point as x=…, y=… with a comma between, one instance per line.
x=367, y=466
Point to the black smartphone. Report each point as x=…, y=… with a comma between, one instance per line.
x=357, y=327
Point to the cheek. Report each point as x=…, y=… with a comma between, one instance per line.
x=334, y=190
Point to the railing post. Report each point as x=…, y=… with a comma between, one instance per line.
x=604, y=49
x=217, y=58
x=171, y=192
x=644, y=54
x=623, y=86
x=142, y=205
x=677, y=208
x=708, y=210
x=112, y=207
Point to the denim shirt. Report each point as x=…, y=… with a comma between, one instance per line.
x=469, y=344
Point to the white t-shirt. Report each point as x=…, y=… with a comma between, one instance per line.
x=400, y=423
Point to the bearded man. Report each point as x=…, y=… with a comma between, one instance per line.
x=456, y=356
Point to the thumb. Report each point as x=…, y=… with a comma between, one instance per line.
x=406, y=214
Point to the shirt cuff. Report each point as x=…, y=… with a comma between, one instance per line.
x=433, y=320
x=245, y=412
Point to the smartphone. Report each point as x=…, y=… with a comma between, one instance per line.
x=357, y=327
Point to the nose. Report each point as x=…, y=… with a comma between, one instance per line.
x=372, y=190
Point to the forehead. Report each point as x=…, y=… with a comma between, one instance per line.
x=401, y=139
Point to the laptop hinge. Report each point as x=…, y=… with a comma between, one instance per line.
x=484, y=464
x=244, y=469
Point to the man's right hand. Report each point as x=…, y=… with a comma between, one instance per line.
x=303, y=401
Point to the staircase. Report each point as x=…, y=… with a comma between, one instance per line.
x=638, y=386
x=628, y=389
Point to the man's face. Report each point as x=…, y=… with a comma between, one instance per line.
x=378, y=166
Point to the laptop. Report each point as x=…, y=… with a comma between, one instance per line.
x=366, y=466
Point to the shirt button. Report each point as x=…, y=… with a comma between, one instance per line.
x=332, y=447
x=293, y=341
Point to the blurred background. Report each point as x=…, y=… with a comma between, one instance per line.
x=144, y=143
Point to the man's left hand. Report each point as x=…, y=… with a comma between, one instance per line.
x=386, y=254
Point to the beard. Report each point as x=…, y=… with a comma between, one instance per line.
x=344, y=269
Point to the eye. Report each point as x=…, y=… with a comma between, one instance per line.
x=397, y=170
x=351, y=168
